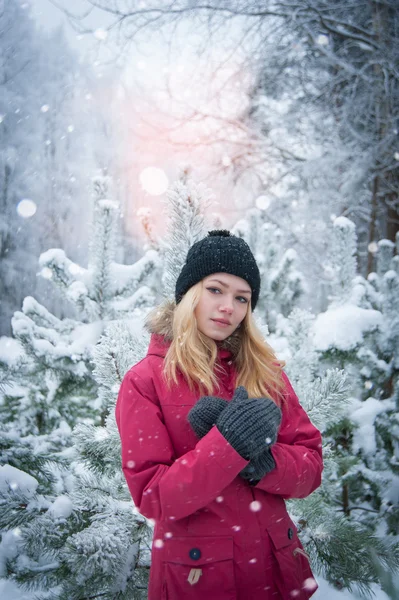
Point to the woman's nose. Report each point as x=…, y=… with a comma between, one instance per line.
x=227, y=307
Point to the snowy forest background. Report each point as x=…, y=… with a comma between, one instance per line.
x=125, y=134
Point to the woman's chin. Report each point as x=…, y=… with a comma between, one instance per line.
x=217, y=336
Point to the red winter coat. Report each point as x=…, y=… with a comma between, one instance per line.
x=234, y=541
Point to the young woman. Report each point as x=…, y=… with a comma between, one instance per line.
x=214, y=439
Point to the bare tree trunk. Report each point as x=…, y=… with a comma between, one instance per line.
x=385, y=186
x=392, y=213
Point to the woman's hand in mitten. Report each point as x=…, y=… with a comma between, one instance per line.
x=203, y=416
x=250, y=425
x=258, y=467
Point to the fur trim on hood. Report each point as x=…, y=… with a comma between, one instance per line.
x=160, y=322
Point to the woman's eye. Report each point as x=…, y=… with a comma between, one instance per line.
x=242, y=299
x=213, y=290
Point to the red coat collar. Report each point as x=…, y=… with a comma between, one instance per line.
x=159, y=347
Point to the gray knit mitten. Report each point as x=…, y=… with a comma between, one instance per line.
x=250, y=425
x=258, y=467
x=203, y=416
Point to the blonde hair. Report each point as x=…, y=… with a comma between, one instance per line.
x=194, y=354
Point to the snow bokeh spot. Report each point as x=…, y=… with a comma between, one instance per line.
x=45, y=108
x=100, y=34
x=219, y=499
x=158, y=543
x=154, y=181
x=373, y=247
x=262, y=202
x=131, y=464
x=26, y=208
x=322, y=40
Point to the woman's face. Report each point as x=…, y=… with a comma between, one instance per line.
x=223, y=304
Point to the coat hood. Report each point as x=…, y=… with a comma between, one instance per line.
x=159, y=323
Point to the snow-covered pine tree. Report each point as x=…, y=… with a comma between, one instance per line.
x=106, y=290
x=282, y=283
x=186, y=205
x=381, y=389
x=91, y=536
x=50, y=363
x=344, y=551
x=358, y=333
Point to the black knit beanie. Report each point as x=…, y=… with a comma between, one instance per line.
x=219, y=252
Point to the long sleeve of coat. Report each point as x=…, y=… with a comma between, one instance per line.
x=163, y=486
x=297, y=453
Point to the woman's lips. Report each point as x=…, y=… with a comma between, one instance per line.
x=221, y=323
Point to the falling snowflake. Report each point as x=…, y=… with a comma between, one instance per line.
x=219, y=499
x=45, y=108
x=131, y=464
x=255, y=506
x=309, y=584
x=158, y=543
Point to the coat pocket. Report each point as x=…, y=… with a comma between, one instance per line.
x=198, y=568
x=294, y=577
